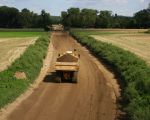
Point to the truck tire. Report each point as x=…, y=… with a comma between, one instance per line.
x=58, y=79
x=75, y=77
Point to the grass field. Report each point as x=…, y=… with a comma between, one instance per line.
x=14, y=34
x=21, y=30
x=133, y=40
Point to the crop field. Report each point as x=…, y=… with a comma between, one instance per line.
x=136, y=43
x=12, y=48
x=14, y=34
x=134, y=40
x=13, y=44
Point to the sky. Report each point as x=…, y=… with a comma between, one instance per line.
x=54, y=7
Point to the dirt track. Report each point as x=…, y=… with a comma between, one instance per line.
x=93, y=98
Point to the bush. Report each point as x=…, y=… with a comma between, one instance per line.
x=30, y=63
x=133, y=72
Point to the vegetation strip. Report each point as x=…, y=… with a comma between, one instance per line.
x=133, y=73
x=29, y=63
x=21, y=30
x=15, y=34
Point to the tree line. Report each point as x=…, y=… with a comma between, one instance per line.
x=11, y=17
x=86, y=18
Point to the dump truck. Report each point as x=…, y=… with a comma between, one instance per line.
x=57, y=27
x=67, y=67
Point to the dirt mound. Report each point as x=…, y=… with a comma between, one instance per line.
x=67, y=58
x=12, y=48
x=20, y=75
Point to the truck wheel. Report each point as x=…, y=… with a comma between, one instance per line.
x=75, y=77
x=58, y=79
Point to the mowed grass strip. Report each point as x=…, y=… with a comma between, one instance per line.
x=30, y=63
x=133, y=73
x=13, y=34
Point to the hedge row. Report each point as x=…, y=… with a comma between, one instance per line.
x=30, y=63
x=133, y=72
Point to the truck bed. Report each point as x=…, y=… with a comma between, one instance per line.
x=66, y=66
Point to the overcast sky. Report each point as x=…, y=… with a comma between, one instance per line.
x=121, y=7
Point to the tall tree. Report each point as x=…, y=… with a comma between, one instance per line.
x=122, y=22
x=104, y=19
x=45, y=19
x=26, y=18
x=64, y=16
x=88, y=17
x=74, y=16
x=55, y=19
x=143, y=18
x=9, y=17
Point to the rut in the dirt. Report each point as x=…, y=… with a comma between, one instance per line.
x=91, y=99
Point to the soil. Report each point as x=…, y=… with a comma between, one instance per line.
x=94, y=97
x=67, y=58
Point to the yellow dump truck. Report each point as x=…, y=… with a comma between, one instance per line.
x=67, y=67
x=57, y=27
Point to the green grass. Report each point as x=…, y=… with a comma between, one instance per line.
x=134, y=74
x=14, y=34
x=30, y=63
x=21, y=30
